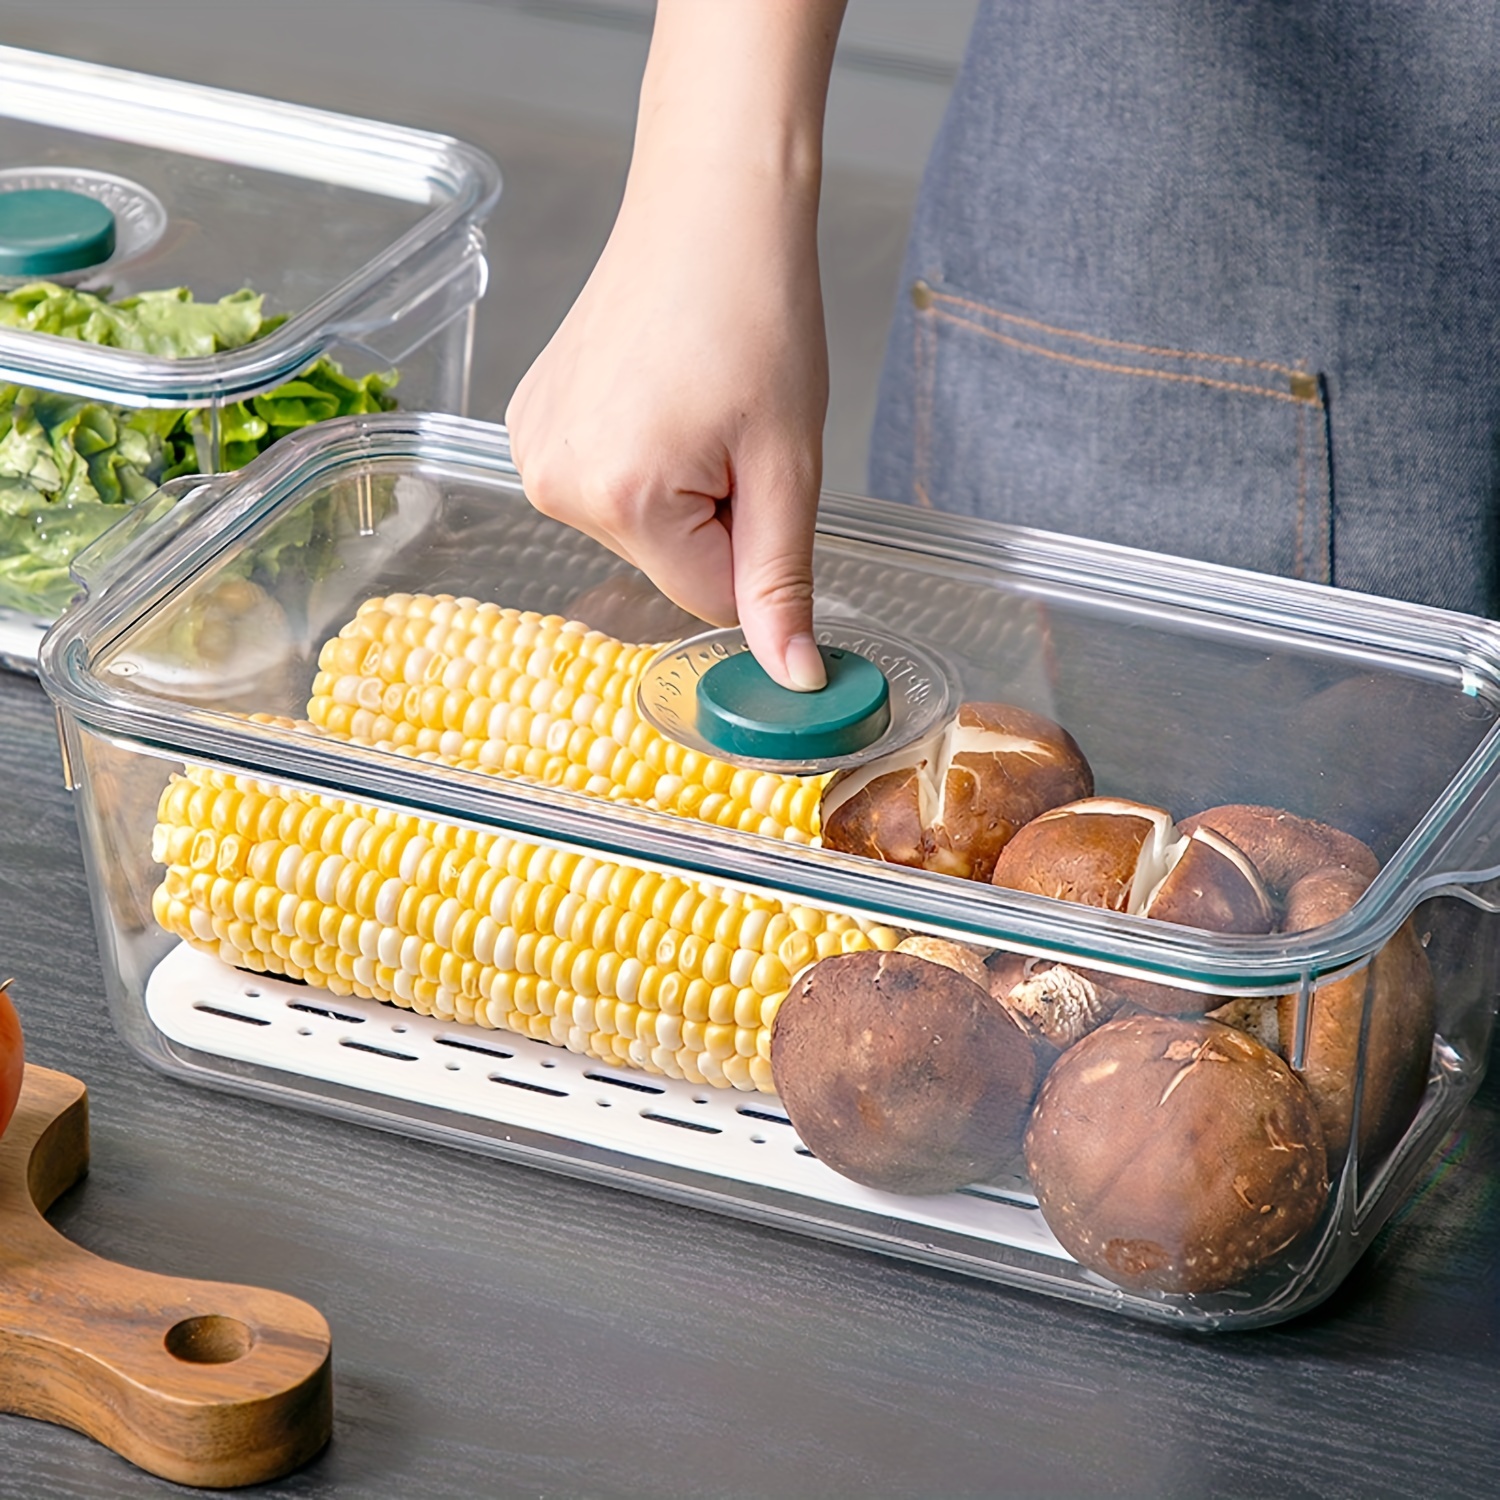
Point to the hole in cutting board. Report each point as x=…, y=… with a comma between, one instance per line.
x=209, y=1340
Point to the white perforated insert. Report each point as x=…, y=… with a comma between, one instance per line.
x=198, y=1002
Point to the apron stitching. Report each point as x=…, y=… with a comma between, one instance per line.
x=1301, y=494
x=1326, y=476
x=1097, y=339
x=925, y=364
x=1114, y=369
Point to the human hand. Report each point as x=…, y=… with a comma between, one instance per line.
x=677, y=414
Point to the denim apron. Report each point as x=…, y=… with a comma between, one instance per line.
x=1217, y=279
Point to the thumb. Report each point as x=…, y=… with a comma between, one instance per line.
x=773, y=518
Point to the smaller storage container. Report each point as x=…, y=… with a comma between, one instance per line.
x=187, y=274
x=394, y=807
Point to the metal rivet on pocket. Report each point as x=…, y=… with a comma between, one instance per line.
x=1304, y=386
x=921, y=295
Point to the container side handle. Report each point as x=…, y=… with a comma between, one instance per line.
x=1467, y=852
x=158, y=517
x=411, y=305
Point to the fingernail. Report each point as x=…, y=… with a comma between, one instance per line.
x=804, y=664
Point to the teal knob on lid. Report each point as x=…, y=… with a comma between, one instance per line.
x=741, y=711
x=46, y=231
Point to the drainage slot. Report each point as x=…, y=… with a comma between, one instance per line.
x=256, y=975
x=762, y=1114
x=448, y=1041
x=328, y=1015
x=378, y=1051
x=999, y=1195
x=702, y=1129
x=229, y=1015
x=633, y=1084
x=531, y=1088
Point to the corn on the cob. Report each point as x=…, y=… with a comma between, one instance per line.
x=486, y=688
x=668, y=974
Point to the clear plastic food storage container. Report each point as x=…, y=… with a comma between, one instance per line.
x=188, y=274
x=1122, y=928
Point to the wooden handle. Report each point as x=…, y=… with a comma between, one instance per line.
x=200, y=1382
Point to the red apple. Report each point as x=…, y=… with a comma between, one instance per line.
x=12, y=1058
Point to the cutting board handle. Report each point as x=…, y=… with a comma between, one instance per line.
x=200, y=1382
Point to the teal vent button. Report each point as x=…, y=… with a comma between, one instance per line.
x=46, y=231
x=741, y=711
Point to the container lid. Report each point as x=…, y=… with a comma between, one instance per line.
x=1186, y=685
x=215, y=191
x=44, y=231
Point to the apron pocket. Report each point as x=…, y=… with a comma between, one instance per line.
x=1196, y=454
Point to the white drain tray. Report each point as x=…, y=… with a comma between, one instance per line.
x=198, y=1002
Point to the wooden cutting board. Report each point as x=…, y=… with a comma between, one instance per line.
x=200, y=1382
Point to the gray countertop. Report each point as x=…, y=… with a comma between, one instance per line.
x=500, y=1331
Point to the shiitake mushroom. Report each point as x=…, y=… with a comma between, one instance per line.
x=952, y=802
x=1245, y=869
x=1397, y=986
x=1130, y=857
x=1058, y=1002
x=967, y=960
x=1284, y=847
x=901, y=1073
x=1315, y=873
x=1175, y=1155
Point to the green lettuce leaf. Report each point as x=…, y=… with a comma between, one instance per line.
x=67, y=464
x=38, y=541
x=167, y=323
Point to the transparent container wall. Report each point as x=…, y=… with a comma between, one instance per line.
x=422, y=365
x=609, y=1014
x=1189, y=721
x=424, y=361
x=660, y=1079
x=1180, y=710
x=361, y=240
x=394, y=526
